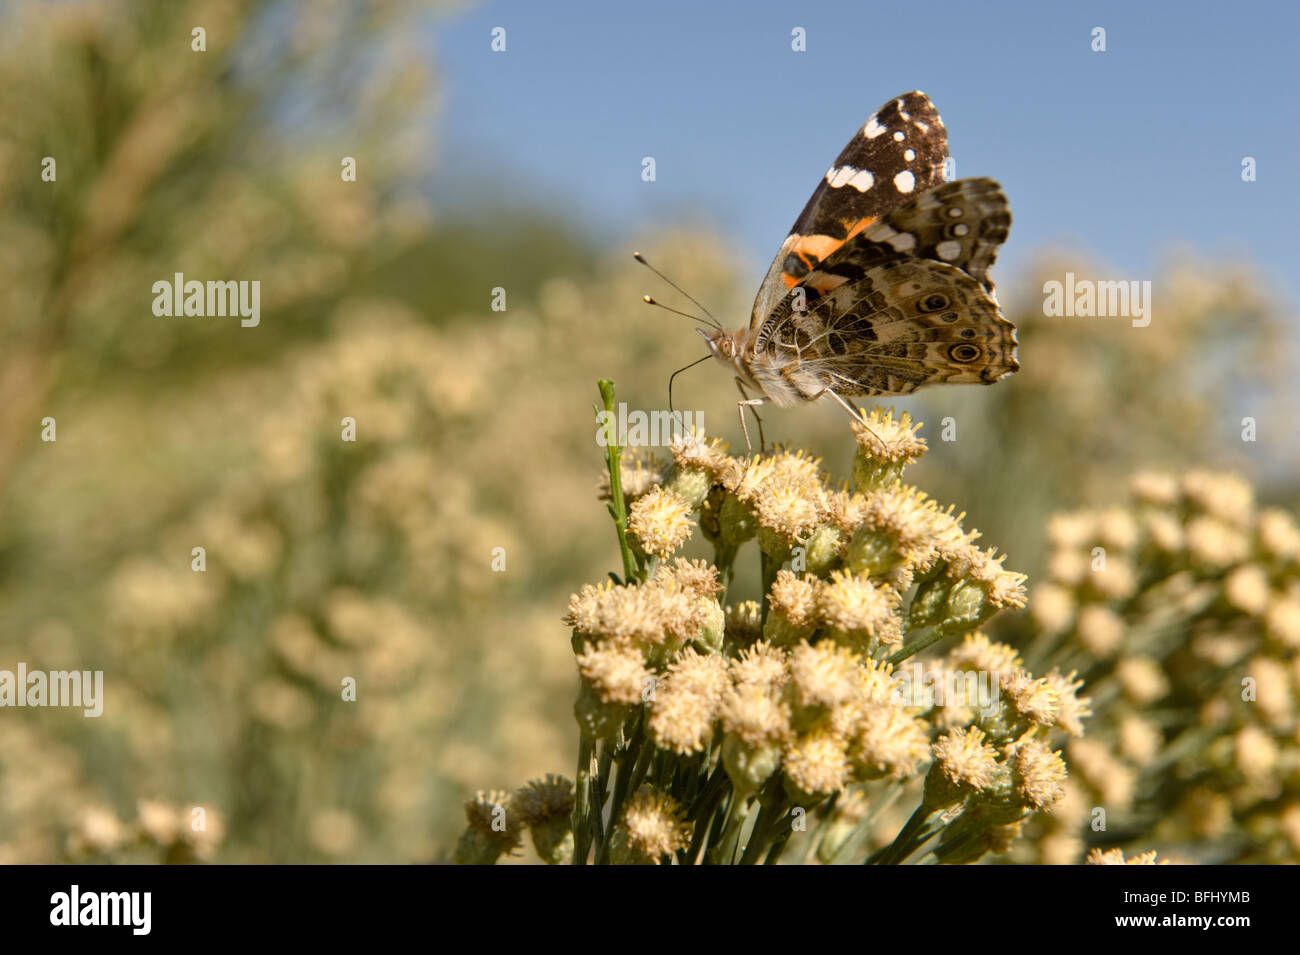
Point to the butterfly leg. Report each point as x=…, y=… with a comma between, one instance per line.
x=751, y=403
x=854, y=413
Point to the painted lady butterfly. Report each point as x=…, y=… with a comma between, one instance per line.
x=882, y=285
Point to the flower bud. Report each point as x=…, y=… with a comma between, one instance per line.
x=737, y=521
x=930, y=603
x=493, y=829
x=713, y=626
x=873, y=474
x=968, y=606
x=691, y=485
x=749, y=766
x=546, y=808
x=871, y=553
x=822, y=551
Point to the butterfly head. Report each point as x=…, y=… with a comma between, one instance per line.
x=727, y=347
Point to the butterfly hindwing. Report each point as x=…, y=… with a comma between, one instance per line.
x=899, y=153
x=962, y=223
x=900, y=325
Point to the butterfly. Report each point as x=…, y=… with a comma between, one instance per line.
x=882, y=285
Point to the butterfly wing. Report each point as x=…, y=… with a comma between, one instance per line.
x=962, y=223
x=898, y=154
x=899, y=326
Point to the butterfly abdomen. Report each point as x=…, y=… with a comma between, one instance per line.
x=785, y=383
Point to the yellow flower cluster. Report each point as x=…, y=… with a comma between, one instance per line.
x=709, y=733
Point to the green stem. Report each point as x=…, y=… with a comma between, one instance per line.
x=773, y=802
x=949, y=848
x=769, y=568
x=582, y=802
x=626, y=780
x=642, y=765
x=918, y=830
x=814, y=840
x=757, y=841
x=600, y=786
x=725, y=852
x=704, y=809
x=778, y=847
x=863, y=828
x=613, y=456
x=928, y=637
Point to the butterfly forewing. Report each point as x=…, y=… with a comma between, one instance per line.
x=898, y=154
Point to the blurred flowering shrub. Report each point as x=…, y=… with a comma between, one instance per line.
x=171, y=160
x=1181, y=611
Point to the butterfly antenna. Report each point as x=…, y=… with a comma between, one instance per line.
x=675, y=374
x=676, y=311
x=641, y=258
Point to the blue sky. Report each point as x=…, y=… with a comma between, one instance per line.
x=1125, y=155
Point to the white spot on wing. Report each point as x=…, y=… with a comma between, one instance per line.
x=905, y=181
x=909, y=154
x=899, y=136
x=902, y=242
x=859, y=179
x=948, y=250
x=862, y=180
x=837, y=176
x=873, y=128
x=960, y=228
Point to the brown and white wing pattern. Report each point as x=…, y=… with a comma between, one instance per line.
x=962, y=223
x=898, y=154
x=900, y=326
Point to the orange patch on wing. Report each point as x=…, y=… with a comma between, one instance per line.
x=815, y=246
x=853, y=228
x=812, y=250
x=824, y=282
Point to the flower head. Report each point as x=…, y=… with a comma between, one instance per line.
x=888, y=741
x=1038, y=774
x=654, y=825
x=686, y=701
x=617, y=671
x=818, y=762
x=885, y=438
x=660, y=521
x=858, y=610
x=965, y=759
